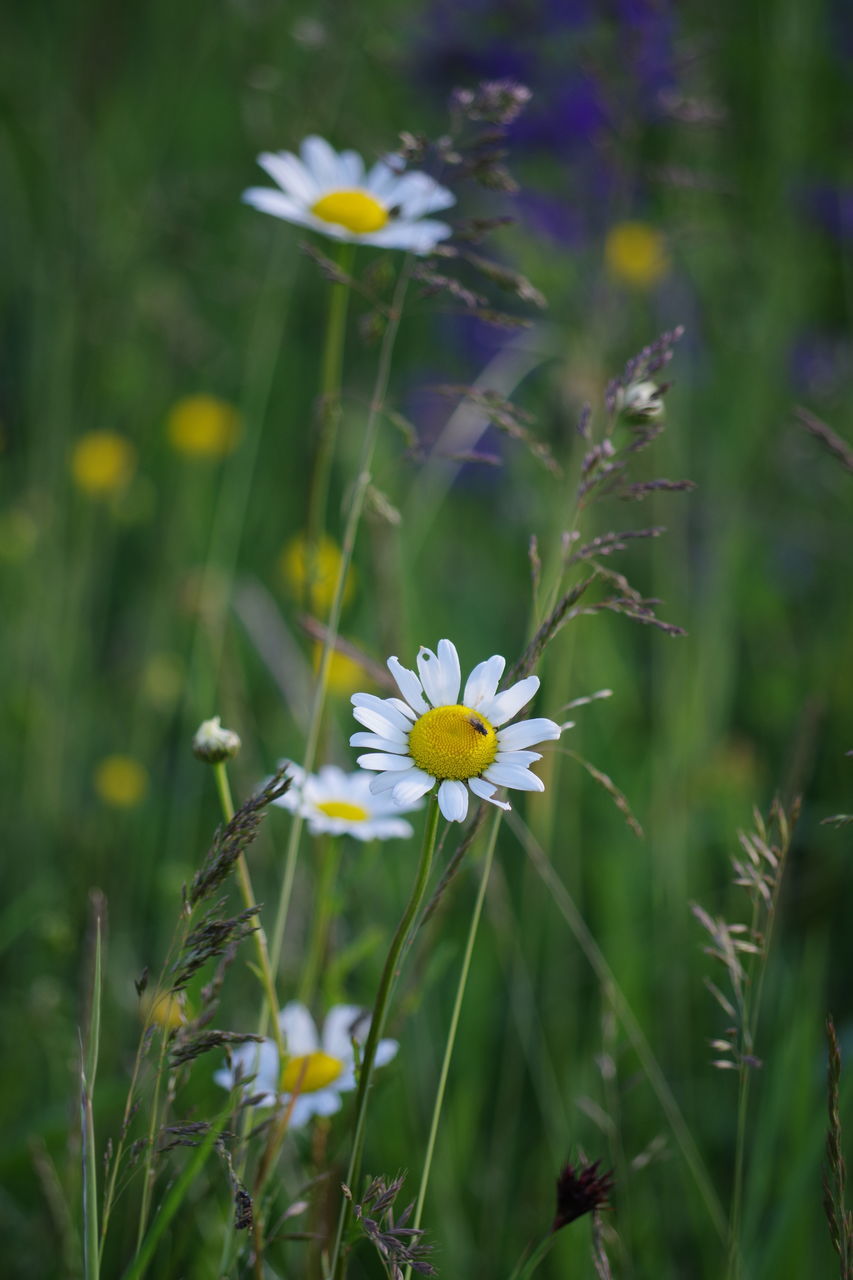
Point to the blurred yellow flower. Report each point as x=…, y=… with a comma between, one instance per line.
x=102, y=463
x=294, y=564
x=203, y=427
x=635, y=253
x=346, y=676
x=164, y=1009
x=120, y=781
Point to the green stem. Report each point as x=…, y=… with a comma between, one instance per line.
x=379, y=1019
x=330, y=416
x=244, y=879
x=454, y=1020
x=525, y=1269
x=360, y=489
x=330, y=860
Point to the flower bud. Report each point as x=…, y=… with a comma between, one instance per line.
x=213, y=744
x=640, y=401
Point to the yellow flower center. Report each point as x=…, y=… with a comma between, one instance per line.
x=341, y=809
x=310, y=1072
x=355, y=210
x=453, y=742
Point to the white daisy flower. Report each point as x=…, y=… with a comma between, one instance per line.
x=429, y=736
x=331, y=192
x=319, y=1067
x=338, y=803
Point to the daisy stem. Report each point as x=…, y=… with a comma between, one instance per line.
x=330, y=861
x=330, y=415
x=360, y=488
x=264, y=968
x=378, y=1021
x=454, y=1021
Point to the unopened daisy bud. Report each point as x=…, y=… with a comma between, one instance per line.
x=213, y=744
x=640, y=401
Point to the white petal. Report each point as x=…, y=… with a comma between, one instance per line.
x=389, y=708
x=507, y=704
x=259, y=1061
x=291, y=175
x=384, y=760
x=353, y=167
x=323, y=163
x=453, y=800
x=440, y=674
x=482, y=683
x=415, y=784
x=386, y=781
x=278, y=204
x=416, y=194
x=300, y=1033
x=404, y=709
x=377, y=723
x=325, y=1102
x=524, y=758
x=382, y=179
x=374, y=740
x=340, y=1023
x=527, y=733
x=512, y=775
x=486, y=790
x=409, y=685
x=385, y=1051
x=304, y=1108
x=415, y=237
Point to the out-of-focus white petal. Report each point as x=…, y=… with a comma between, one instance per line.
x=340, y=1023
x=291, y=175
x=298, y=1028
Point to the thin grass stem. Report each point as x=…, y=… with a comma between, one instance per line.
x=379, y=1017
x=565, y=904
x=265, y=971
x=360, y=489
x=454, y=1021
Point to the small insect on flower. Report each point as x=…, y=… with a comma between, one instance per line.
x=332, y=193
x=429, y=737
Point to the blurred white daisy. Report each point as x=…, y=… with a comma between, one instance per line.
x=429, y=736
x=331, y=192
x=318, y=1069
x=337, y=803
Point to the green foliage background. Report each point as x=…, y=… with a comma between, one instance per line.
x=131, y=275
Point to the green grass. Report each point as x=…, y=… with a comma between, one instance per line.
x=132, y=276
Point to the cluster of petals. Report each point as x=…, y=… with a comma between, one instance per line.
x=436, y=684
x=257, y=1068
x=402, y=199
x=336, y=803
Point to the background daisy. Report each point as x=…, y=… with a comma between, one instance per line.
x=337, y=803
x=319, y=1068
x=430, y=736
x=332, y=193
